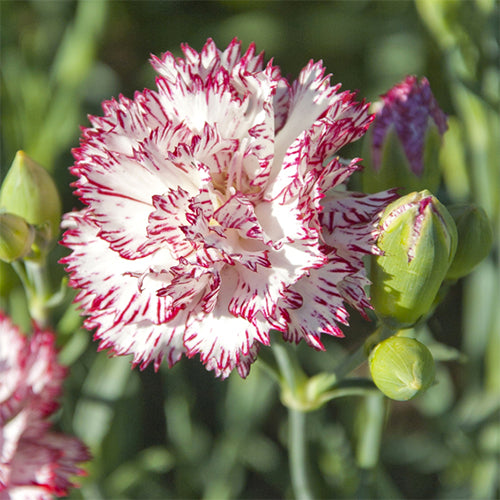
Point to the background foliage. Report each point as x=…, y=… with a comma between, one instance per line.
x=181, y=433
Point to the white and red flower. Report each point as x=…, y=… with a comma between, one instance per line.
x=34, y=461
x=210, y=218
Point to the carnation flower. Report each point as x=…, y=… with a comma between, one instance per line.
x=34, y=462
x=209, y=214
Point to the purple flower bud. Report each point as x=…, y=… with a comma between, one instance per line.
x=411, y=108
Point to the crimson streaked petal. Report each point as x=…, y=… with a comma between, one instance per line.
x=165, y=223
x=146, y=341
x=223, y=340
x=239, y=213
x=310, y=96
x=349, y=221
x=126, y=289
x=342, y=121
x=321, y=307
x=30, y=374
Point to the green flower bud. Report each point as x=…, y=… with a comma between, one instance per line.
x=16, y=237
x=29, y=191
x=402, y=367
x=401, y=148
x=418, y=239
x=475, y=238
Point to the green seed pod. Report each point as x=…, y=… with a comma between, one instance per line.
x=475, y=238
x=402, y=367
x=418, y=239
x=16, y=237
x=29, y=191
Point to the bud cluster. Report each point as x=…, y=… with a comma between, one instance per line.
x=423, y=245
x=30, y=210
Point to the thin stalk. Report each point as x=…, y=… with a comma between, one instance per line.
x=371, y=428
x=37, y=272
x=289, y=369
x=297, y=440
x=35, y=280
x=298, y=454
x=21, y=273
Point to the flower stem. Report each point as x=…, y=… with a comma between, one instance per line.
x=371, y=426
x=371, y=430
x=35, y=280
x=297, y=439
x=298, y=454
x=288, y=368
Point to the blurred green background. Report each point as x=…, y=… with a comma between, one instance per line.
x=181, y=433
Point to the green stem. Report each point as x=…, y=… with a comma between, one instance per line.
x=21, y=272
x=351, y=387
x=35, y=280
x=297, y=442
x=298, y=454
x=289, y=369
x=371, y=428
x=37, y=272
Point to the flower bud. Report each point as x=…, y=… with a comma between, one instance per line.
x=475, y=238
x=29, y=191
x=402, y=367
x=16, y=237
x=418, y=239
x=402, y=146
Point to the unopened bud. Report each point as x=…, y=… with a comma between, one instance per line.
x=29, y=191
x=16, y=237
x=475, y=238
x=401, y=148
x=402, y=367
x=418, y=239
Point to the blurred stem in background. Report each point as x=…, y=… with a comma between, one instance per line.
x=293, y=377
x=302, y=394
x=42, y=110
x=468, y=36
x=370, y=423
